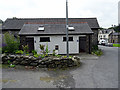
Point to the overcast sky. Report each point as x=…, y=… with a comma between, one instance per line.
x=106, y=11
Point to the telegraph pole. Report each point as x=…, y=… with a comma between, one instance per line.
x=67, y=43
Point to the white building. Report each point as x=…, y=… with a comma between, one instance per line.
x=54, y=35
x=104, y=34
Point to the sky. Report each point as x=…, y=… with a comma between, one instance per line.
x=106, y=11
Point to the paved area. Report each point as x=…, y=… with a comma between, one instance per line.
x=97, y=73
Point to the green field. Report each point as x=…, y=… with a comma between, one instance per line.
x=116, y=45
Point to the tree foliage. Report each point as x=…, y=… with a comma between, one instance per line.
x=12, y=43
x=116, y=28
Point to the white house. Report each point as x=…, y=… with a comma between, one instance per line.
x=104, y=34
x=54, y=35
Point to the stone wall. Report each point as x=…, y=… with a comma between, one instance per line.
x=95, y=37
x=88, y=43
x=47, y=62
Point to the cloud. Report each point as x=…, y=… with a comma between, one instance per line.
x=105, y=10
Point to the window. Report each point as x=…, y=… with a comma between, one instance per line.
x=102, y=31
x=44, y=39
x=56, y=47
x=71, y=28
x=41, y=28
x=69, y=39
x=104, y=36
x=106, y=32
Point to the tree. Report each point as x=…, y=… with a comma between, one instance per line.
x=12, y=43
x=116, y=28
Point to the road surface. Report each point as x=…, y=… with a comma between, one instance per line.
x=100, y=73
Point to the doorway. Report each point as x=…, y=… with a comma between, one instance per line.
x=82, y=44
x=30, y=43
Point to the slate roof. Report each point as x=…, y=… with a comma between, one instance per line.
x=55, y=29
x=115, y=34
x=17, y=23
x=108, y=31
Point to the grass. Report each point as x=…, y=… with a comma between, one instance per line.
x=4, y=65
x=116, y=45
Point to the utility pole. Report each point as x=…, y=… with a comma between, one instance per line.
x=67, y=43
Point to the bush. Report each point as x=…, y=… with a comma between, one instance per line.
x=0, y=50
x=96, y=50
x=53, y=52
x=19, y=52
x=116, y=45
x=34, y=52
x=94, y=47
x=25, y=48
x=36, y=55
x=12, y=43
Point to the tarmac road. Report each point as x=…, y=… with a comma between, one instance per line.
x=100, y=73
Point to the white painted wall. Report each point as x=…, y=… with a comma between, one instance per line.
x=58, y=40
x=101, y=35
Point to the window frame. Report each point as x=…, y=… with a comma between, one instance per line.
x=44, y=38
x=71, y=40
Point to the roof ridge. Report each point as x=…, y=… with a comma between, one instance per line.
x=46, y=18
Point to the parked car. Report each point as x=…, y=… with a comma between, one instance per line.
x=109, y=44
x=102, y=42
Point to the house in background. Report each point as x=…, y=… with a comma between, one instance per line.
x=104, y=34
x=114, y=38
x=53, y=29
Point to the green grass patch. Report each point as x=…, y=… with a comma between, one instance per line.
x=4, y=65
x=116, y=45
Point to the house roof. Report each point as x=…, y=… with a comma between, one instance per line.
x=17, y=23
x=115, y=34
x=54, y=29
x=108, y=31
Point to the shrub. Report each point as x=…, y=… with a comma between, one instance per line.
x=12, y=43
x=19, y=52
x=53, y=52
x=58, y=56
x=96, y=50
x=116, y=45
x=25, y=48
x=36, y=55
x=34, y=52
x=47, y=51
x=70, y=56
x=42, y=47
x=0, y=50
x=42, y=56
x=95, y=47
x=27, y=54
